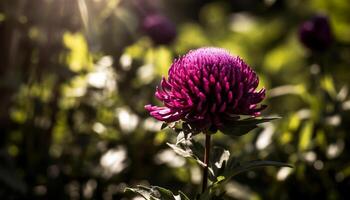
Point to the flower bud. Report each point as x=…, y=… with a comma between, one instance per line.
x=316, y=33
x=159, y=28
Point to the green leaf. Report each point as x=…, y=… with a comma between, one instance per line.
x=218, y=160
x=236, y=128
x=233, y=167
x=258, y=163
x=219, y=157
x=140, y=190
x=156, y=193
x=188, y=148
x=165, y=193
x=183, y=196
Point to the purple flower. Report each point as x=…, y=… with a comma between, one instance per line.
x=159, y=28
x=206, y=88
x=316, y=33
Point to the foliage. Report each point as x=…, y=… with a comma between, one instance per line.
x=221, y=166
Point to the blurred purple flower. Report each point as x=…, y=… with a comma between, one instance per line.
x=316, y=33
x=207, y=87
x=159, y=28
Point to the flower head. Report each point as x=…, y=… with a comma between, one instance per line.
x=159, y=28
x=316, y=33
x=207, y=87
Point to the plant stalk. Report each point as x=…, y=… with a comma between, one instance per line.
x=206, y=162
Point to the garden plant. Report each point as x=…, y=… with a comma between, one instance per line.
x=208, y=91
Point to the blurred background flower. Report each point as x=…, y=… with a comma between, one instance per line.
x=316, y=33
x=159, y=28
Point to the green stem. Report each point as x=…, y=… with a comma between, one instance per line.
x=206, y=162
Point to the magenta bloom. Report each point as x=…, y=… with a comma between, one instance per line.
x=159, y=28
x=316, y=33
x=206, y=88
